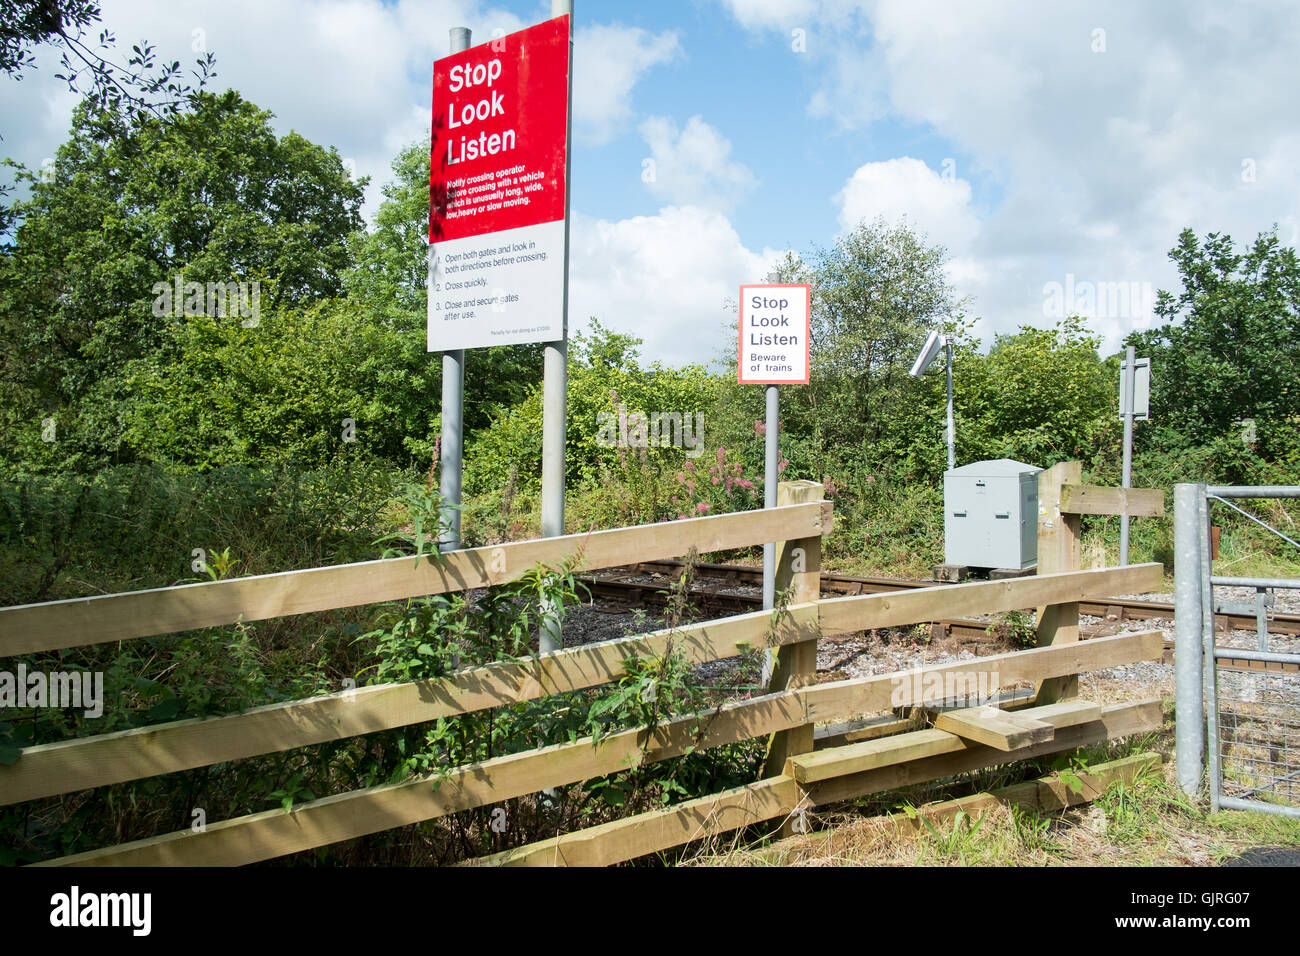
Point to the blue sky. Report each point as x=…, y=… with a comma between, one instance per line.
x=754, y=90
x=1043, y=145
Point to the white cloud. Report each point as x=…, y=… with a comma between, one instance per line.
x=771, y=13
x=665, y=278
x=937, y=205
x=313, y=64
x=36, y=112
x=354, y=74
x=1087, y=163
x=1103, y=157
x=693, y=166
x=907, y=188
x=607, y=63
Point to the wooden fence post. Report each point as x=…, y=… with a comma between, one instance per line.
x=1058, y=550
x=798, y=568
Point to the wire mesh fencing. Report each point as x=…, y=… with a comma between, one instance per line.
x=1259, y=737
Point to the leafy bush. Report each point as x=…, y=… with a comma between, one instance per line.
x=606, y=386
x=137, y=526
x=309, y=385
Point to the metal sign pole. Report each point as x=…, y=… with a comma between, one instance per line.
x=774, y=341
x=952, y=428
x=1130, y=388
x=452, y=442
x=555, y=381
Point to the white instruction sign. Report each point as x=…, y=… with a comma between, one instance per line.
x=775, y=334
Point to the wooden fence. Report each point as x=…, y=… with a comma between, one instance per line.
x=878, y=753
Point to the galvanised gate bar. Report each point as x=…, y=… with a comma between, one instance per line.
x=1246, y=724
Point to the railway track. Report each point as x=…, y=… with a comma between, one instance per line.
x=716, y=589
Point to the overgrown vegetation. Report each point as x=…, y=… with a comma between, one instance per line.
x=228, y=670
x=150, y=442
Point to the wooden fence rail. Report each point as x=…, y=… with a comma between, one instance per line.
x=77, y=622
x=789, y=712
x=181, y=745
x=71, y=765
x=272, y=833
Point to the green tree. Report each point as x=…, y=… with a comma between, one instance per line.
x=605, y=372
x=876, y=294
x=878, y=291
x=307, y=385
x=1229, y=346
x=210, y=195
x=390, y=261
x=1039, y=396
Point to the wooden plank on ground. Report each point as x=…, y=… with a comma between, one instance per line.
x=1050, y=793
x=180, y=745
x=1121, y=720
x=28, y=628
x=1000, y=729
x=1053, y=793
x=897, y=608
x=853, y=758
x=1100, y=500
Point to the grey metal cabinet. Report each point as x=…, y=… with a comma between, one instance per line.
x=990, y=514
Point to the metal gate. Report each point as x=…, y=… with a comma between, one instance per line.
x=1238, y=705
